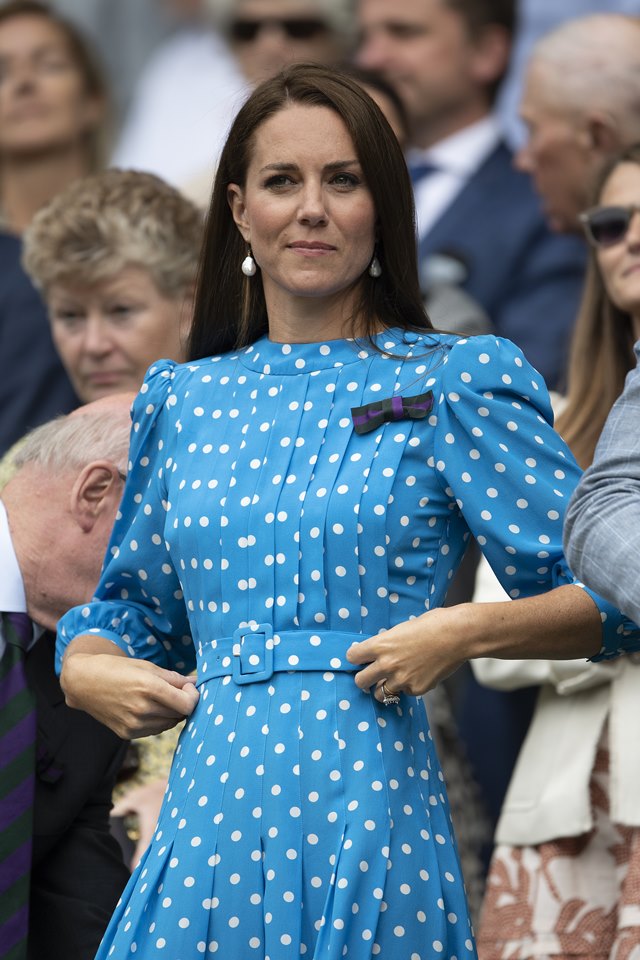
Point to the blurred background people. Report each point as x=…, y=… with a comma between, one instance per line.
x=564, y=877
x=580, y=106
x=267, y=35
x=575, y=125
x=52, y=109
x=446, y=59
x=61, y=871
x=115, y=258
x=535, y=18
x=184, y=100
x=126, y=34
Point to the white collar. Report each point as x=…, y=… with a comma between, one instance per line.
x=464, y=151
x=12, y=595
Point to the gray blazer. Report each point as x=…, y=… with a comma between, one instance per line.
x=602, y=525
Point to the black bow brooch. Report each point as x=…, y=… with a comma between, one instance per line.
x=371, y=415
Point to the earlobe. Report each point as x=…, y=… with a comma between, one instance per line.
x=235, y=199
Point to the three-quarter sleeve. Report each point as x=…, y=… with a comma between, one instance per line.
x=139, y=601
x=511, y=474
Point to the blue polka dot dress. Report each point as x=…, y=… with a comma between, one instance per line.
x=259, y=536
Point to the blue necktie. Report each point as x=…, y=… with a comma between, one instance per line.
x=17, y=779
x=420, y=170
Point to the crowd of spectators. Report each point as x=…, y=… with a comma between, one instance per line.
x=520, y=125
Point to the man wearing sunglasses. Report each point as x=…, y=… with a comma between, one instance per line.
x=580, y=107
x=266, y=35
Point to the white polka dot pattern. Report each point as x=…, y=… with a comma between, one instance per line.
x=301, y=817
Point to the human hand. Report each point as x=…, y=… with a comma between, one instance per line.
x=413, y=656
x=135, y=698
x=143, y=802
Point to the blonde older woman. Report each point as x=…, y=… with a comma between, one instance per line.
x=114, y=256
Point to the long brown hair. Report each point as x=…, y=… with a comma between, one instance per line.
x=601, y=350
x=230, y=310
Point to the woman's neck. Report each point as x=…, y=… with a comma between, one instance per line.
x=27, y=184
x=311, y=319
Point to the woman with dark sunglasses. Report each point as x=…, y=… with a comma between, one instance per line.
x=563, y=880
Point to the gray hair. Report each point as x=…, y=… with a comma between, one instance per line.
x=596, y=65
x=72, y=442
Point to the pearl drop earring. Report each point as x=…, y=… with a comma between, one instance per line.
x=248, y=265
x=375, y=270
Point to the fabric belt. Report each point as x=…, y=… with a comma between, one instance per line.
x=252, y=654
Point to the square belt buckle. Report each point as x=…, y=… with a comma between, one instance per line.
x=243, y=654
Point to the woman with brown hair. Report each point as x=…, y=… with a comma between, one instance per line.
x=52, y=108
x=564, y=877
x=298, y=498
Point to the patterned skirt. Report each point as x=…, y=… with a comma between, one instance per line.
x=576, y=898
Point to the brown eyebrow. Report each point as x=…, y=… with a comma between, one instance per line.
x=283, y=167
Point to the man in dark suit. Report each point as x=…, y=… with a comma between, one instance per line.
x=446, y=59
x=56, y=514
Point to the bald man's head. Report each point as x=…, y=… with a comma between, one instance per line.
x=581, y=105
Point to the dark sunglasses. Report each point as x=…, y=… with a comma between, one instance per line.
x=296, y=28
x=606, y=226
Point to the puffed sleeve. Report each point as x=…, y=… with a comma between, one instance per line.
x=139, y=602
x=497, y=454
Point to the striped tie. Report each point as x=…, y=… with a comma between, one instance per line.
x=17, y=766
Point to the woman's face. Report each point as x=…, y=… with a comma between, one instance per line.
x=306, y=212
x=267, y=35
x=109, y=332
x=620, y=263
x=43, y=101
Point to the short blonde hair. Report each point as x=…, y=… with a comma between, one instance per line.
x=110, y=220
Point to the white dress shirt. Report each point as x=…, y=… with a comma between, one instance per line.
x=457, y=159
x=181, y=112
x=12, y=595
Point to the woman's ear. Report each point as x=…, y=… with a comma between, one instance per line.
x=235, y=199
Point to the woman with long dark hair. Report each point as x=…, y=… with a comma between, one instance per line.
x=300, y=493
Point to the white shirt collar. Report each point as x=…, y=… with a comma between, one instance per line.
x=12, y=595
x=463, y=152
